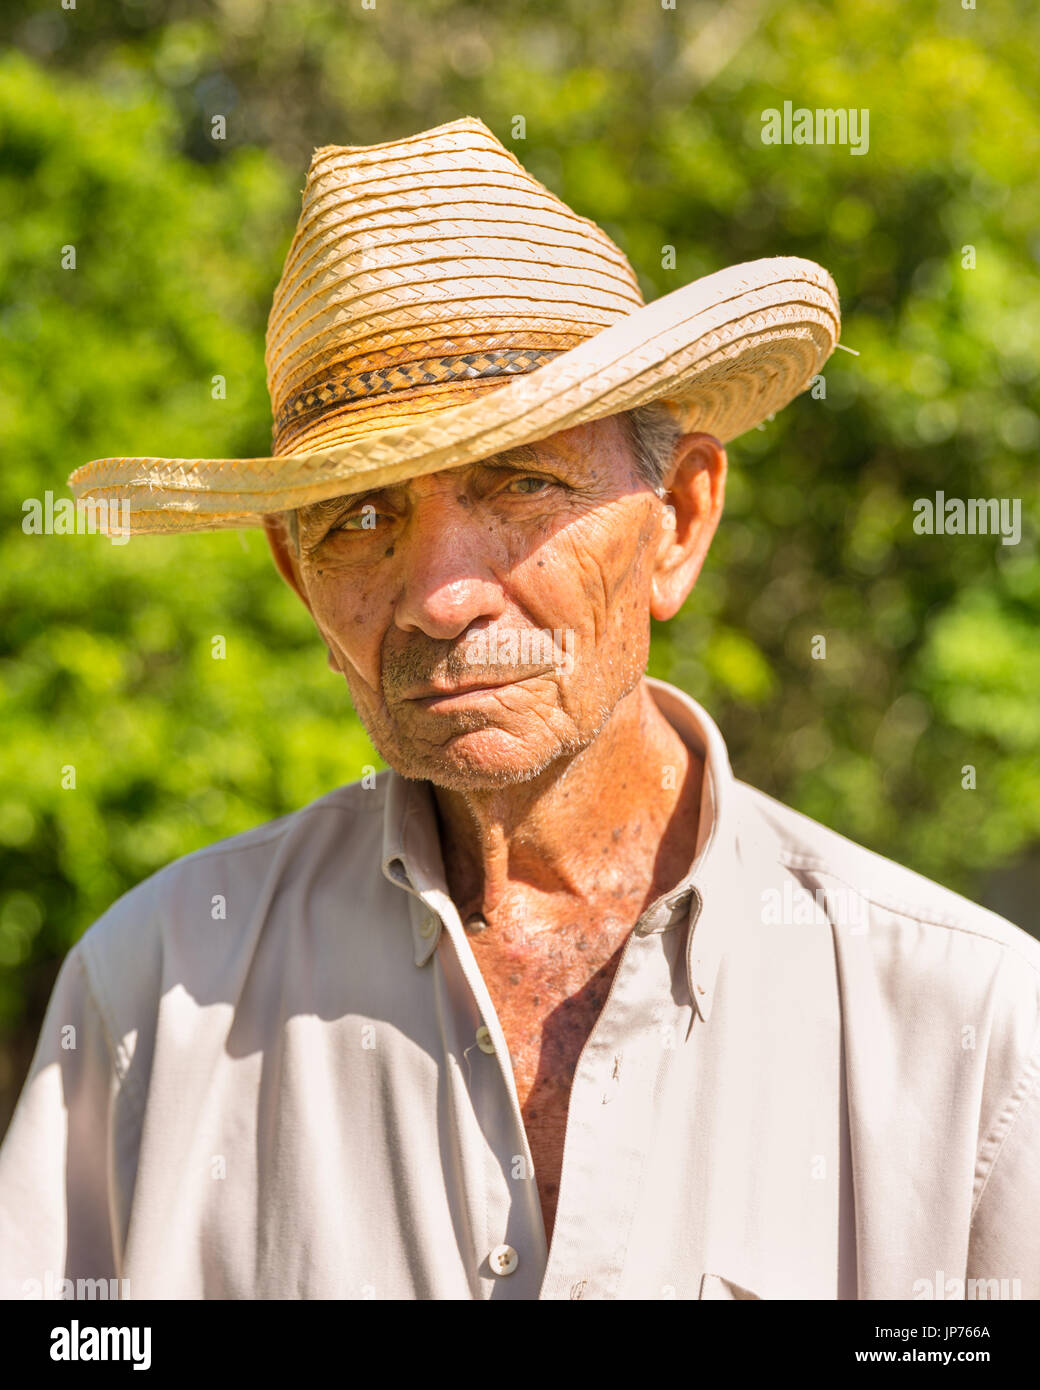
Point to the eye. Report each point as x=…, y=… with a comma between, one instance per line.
x=518, y=485
x=364, y=520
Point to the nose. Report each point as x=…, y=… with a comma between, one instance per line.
x=448, y=579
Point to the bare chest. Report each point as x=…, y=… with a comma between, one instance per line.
x=548, y=1003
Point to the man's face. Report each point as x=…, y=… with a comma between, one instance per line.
x=488, y=618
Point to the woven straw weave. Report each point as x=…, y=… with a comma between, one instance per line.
x=438, y=305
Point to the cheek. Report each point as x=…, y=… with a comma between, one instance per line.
x=599, y=573
x=350, y=613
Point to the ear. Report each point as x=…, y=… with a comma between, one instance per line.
x=690, y=512
x=285, y=558
x=287, y=564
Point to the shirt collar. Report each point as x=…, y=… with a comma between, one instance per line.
x=715, y=876
x=412, y=856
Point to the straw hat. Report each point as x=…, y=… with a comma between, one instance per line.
x=438, y=305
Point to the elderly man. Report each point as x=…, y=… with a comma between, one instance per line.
x=556, y=1007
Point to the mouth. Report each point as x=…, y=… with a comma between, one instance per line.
x=454, y=694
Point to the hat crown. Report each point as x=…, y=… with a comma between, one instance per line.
x=425, y=271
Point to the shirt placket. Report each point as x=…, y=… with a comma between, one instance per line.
x=609, y=1114
x=509, y=1235
x=609, y=1118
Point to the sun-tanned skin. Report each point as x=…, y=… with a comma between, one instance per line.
x=566, y=802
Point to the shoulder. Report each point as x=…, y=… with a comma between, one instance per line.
x=347, y=820
x=892, y=893
x=937, y=993
x=335, y=823
x=185, y=909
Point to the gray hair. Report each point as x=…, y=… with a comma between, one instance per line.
x=653, y=433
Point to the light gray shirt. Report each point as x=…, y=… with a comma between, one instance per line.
x=263, y=1074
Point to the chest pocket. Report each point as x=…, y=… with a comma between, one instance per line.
x=714, y=1286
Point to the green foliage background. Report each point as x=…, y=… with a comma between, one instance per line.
x=648, y=120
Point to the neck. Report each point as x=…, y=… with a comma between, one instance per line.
x=614, y=824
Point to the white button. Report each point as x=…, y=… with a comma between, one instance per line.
x=429, y=925
x=486, y=1045
x=503, y=1259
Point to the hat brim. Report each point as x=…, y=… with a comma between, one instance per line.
x=728, y=351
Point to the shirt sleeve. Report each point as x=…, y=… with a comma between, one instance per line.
x=1004, y=1245
x=56, y=1210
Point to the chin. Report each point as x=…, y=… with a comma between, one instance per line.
x=479, y=760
